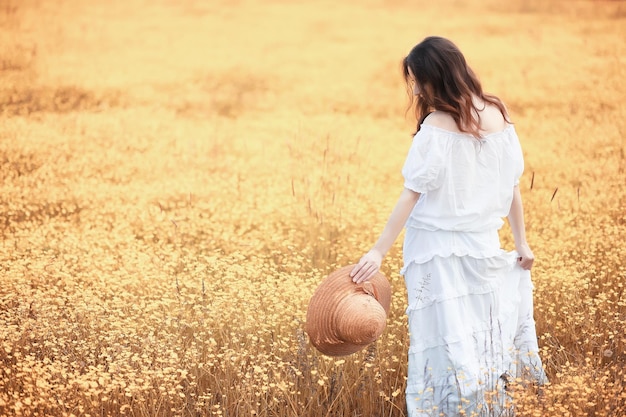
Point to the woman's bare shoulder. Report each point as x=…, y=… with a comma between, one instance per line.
x=491, y=120
x=441, y=120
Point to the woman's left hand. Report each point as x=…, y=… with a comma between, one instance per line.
x=526, y=257
x=367, y=267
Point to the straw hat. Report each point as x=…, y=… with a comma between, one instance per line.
x=344, y=317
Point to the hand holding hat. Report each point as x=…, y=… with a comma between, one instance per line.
x=368, y=266
x=344, y=317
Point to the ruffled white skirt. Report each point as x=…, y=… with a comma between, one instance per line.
x=471, y=331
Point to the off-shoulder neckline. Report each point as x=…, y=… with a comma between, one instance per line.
x=464, y=134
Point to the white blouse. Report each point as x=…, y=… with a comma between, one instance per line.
x=466, y=188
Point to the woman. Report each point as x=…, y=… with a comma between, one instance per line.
x=469, y=302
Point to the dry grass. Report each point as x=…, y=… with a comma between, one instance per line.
x=177, y=177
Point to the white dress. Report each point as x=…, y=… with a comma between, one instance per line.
x=470, y=307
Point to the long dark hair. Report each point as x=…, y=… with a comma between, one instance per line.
x=447, y=84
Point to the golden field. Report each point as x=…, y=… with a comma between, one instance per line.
x=178, y=176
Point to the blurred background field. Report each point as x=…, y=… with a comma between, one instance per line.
x=178, y=176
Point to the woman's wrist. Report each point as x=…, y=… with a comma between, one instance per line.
x=378, y=252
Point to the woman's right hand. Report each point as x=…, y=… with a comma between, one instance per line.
x=368, y=266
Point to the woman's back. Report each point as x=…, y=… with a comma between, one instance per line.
x=466, y=183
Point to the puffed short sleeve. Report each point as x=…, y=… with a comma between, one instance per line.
x=423, y=167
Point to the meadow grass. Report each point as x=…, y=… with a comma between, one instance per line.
x=178, y=177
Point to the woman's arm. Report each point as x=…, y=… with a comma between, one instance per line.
x=516, y=221
x=371, y=261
